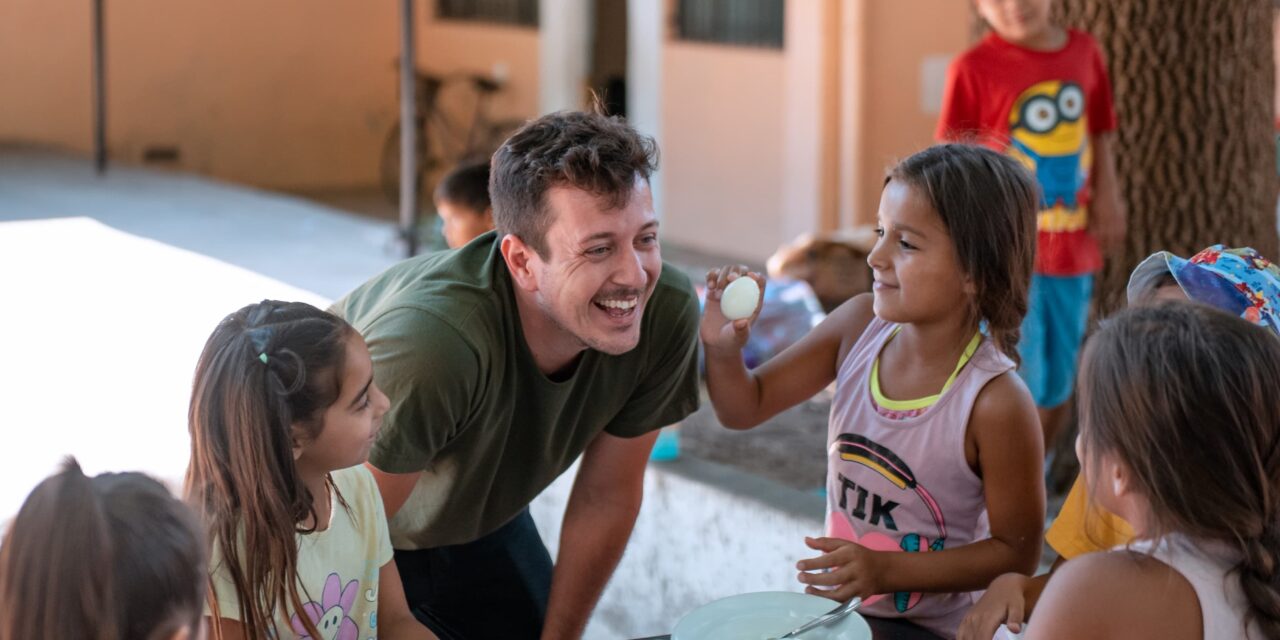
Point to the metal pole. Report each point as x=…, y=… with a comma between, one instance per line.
x=408, y=150
x=99, y=91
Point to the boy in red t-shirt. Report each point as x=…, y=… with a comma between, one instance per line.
x=1041, y=94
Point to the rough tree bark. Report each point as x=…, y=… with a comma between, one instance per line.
x=1196, y=152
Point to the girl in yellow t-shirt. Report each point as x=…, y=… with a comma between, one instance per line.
x=283, y=412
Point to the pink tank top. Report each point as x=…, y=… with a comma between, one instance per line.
x=903, y=484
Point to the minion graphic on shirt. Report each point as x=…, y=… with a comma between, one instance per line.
x=1049, y=134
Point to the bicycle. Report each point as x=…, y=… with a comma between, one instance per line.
x=439, y=141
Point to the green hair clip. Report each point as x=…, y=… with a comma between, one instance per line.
x=263, y=357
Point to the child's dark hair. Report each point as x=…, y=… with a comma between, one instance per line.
x=267, y=368
x=988, y=203
x=467, y=185
x=111, y=557
x=1186, y=396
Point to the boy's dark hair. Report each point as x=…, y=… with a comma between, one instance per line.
x=105, y=558
x=1186, y=396
x=988, y=203
x=595, y=153
x=265, y=369
x=467, y=186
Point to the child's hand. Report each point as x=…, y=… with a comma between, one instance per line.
x=718, y=332
x=1004, y=603
x=854, y=569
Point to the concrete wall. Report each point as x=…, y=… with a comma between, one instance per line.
x=723, y=151
x=291, y=94
x=900, y=51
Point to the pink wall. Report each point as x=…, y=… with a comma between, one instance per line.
x=287, y=94
x=722, y=148
x=894, y=123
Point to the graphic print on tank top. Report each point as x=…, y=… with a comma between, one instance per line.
x=875, y=509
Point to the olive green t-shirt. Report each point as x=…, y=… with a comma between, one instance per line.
x=471, y=410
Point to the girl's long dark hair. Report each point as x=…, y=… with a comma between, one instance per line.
x=1189, y=398
x=114, y=557
x=268, y=371
x=988, y=203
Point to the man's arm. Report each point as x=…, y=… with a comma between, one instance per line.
x=394, y=487
x=602, y=510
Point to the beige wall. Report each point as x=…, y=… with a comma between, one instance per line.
x=894, y=123
x=289, y=94
x=723, y=152
x=511, y=53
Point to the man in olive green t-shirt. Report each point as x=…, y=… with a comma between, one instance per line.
x=561, y=334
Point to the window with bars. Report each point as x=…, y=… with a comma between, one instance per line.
x=748, y=23
x=520, y=13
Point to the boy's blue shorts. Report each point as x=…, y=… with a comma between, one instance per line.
x=1057, y=312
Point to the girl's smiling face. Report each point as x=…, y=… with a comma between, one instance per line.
x=917, y=273
x=350, y=424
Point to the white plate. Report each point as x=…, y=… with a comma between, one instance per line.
x=757, y=616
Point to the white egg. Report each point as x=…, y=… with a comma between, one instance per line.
x=740, y=298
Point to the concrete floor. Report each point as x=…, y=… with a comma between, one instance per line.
x=111, y=284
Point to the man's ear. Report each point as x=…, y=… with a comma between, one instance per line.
x=522, y=261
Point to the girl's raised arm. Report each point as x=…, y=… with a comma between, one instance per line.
x=742, y=398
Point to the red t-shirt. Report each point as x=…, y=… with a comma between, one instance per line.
x=1040, y=107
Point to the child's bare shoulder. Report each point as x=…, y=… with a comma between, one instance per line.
x=848, y=321
x=1114, y=592
x=1004, y=398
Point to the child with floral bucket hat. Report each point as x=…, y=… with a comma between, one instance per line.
x=1238, y=281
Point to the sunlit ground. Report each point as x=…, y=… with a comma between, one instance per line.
x=98, y=340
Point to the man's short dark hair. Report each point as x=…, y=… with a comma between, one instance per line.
x=588, y=151
x=466, y=186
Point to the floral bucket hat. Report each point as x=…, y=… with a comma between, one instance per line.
x=1238, y=281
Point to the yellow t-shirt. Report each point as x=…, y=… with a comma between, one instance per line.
x=1080, y=528
x=337, y=568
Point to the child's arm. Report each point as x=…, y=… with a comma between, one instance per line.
x=742, y=398
x=394, y=619
x=224, y=629
x=1008, y=601
x=1007, y=444
x=1107, y=215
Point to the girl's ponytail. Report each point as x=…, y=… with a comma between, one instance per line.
x=1259, y=572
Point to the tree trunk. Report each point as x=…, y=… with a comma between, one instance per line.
x=1194, y=88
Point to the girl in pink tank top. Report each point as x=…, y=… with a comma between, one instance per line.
x=934, y=474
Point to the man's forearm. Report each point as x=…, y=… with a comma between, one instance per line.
x=592, y=540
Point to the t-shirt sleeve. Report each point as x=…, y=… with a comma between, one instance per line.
x=224, y=590
x=1102, y=110
x=374, y=525
x=1081, y=529
x=668, y=391
x=429, y=372
x=959, y=117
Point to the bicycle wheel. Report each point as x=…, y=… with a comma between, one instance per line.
x=390, y=166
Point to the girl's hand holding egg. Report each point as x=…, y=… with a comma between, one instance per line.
x=733, y=300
